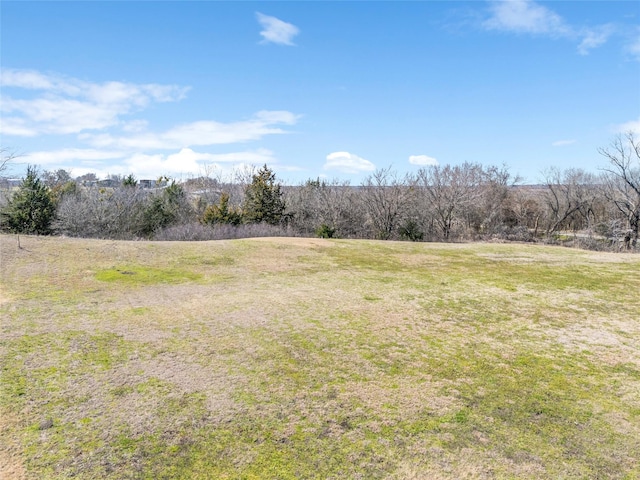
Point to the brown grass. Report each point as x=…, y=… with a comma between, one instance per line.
x=397, y=360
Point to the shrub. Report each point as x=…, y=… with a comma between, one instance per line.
x=164, y=210
x=513, y=234
x=325, y=231
x=199, y=232
x=411, y=231
x=222, y=212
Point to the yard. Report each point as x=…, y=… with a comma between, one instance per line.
x=308, y=358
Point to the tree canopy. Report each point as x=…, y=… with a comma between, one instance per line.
x=264, y=200
x=31, y=209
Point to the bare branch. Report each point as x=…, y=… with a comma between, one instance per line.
x=7, y=156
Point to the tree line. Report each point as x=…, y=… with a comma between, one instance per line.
x=437, y=203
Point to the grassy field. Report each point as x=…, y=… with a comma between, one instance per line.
x=308, y=358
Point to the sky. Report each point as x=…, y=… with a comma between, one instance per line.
x=316, y=89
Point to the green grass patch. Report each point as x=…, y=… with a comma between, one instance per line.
x=138, y=275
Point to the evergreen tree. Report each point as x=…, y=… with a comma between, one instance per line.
x=31, y=209
x=222, y=212
x=263, y=199
x=164, y=210
x=130, y=181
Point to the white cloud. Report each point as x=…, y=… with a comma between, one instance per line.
x=12, y=126
x=276, y=31
x=25, y=79
x=134, y=126
x=69, y=155
x=563, y=143
x=183, y=163
x=631, y=126
x=277, y=116
x=346, y=162
x=204, y=132
x=60, y=115
x=142, y=166
x=66, y=105
x=633, y=47
x=422, y=160
x=188, y=162
x=525, y=16
x=188, y=156
x=107, y=92
x=111, y=142
x=593, y=38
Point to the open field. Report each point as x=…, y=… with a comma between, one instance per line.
x=308, y=358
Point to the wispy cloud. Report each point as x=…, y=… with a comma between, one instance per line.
x=205, y=132
x=529, y=17
x=346, y=162
x=422, y=160
x=563, y=143
x=633, y=45
x=276, y=31
x=64, y=105
x=525, y=16
x=73, y=155
x=593, y=38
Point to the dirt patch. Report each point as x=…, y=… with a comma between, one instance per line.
x=11, y=463
x=407, y=398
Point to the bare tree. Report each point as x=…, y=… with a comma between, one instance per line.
x=207, y=187
x=525, y=209
x=340, y=209
x=491, y=212
x=321, y=207
x=87, y=179
x=239, y=180
x=448, y=194
x=56, y=178
x=570, y=198
x=622, y=186
x=303, y=206
x=386, y=198
x=102, y=212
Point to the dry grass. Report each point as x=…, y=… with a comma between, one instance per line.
x=309, y=358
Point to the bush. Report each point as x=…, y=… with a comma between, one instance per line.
x=222, y=213
x=199, y=232
x=325, y=231
x=164, y=210
x=101, y=213
x=513, y=234
x=411, y=231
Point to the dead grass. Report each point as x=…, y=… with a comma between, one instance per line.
x=11, y=461
x=310, y=358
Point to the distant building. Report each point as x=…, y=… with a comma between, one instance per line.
x=159, y=183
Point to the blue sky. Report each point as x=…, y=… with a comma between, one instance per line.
x=316, y=89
